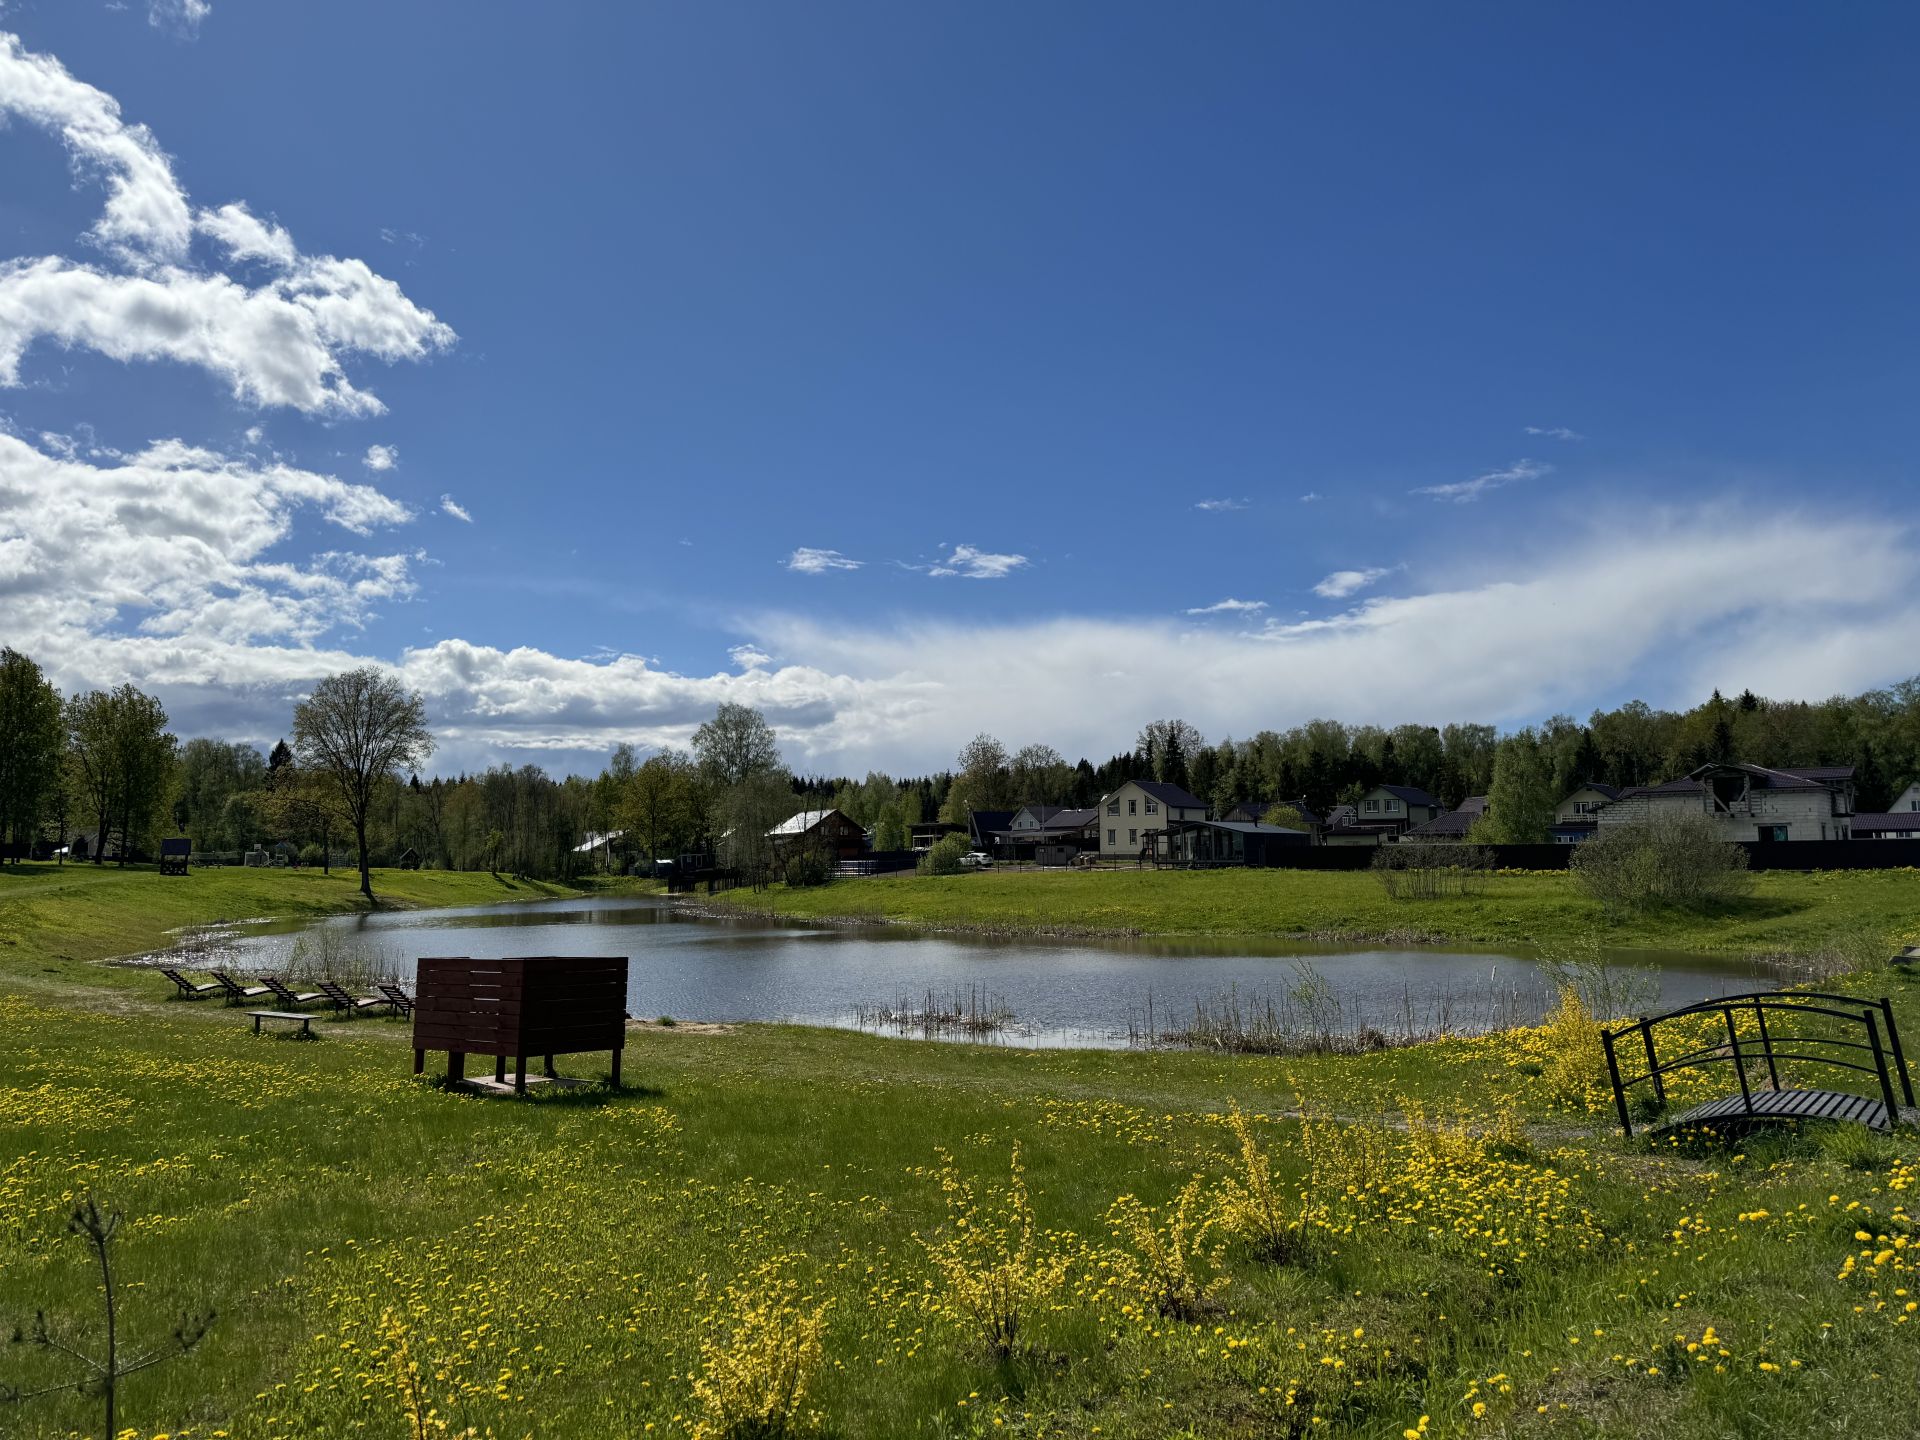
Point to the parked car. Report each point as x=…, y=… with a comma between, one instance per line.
x=978, y=859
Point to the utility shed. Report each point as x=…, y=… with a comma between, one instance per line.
x=524, y=1005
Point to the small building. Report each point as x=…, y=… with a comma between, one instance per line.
x=984, y=825
x=1130, y=818
x=601, y=847
x=1059, y=830
x=1207, y=844
x=174, y=855
x=1255, y=812
x=409, y=859
x=1454, y=825
x=1384, y=814
x=1750, y=802
x=923, y=837
x=827, y=830
x=1899, y=821
x=1577, y=817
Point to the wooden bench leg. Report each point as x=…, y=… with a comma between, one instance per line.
x=419, y=1061
x=499, y=1069
x=456, y=1067
x=552, y=1074
x=256, y=1024
x=520, y=1074
x=616, y=1067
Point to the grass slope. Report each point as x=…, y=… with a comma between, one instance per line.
x=552, y=1269
x=1786, y=914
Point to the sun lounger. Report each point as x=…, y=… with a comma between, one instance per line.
x=402, y=1003
x=190, y=989
x=236, y=993
x=286, y=994
x=342, y=999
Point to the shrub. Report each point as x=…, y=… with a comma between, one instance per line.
x=1420, y=870
x=758, y=1359
x=1574, y=1072
x=807, y=868
x=1661, y=860
x=944, y=857
x=1252, y=1207
x=312, y=854
x=1161, y=1260
x=993, y=1271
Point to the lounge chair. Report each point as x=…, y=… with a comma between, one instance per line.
x=342, y=999
x=190, y=989
x=237, y=994
x=401, y=1001
x=286, y=994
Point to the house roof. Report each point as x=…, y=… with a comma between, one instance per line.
x=1453, y=823
x=803, y=822
x=1261, y=808
x=1412, y=794
x=983, y=822
x=1238, y=827
x=1806, y=777
x=1612, y=792
x=1472, y=805
x=1887, y=820
x=1168, y=794
x=595, y=839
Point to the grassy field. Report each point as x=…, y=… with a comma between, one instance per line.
x=1787, y=914
x=389, y=1259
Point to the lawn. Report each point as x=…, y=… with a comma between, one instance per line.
x=388, y=1259
x=1786, y=914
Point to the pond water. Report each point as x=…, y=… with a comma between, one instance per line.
x=1058, y=992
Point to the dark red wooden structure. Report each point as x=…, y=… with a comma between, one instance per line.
x=525, y=1005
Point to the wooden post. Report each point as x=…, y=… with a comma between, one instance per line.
x=1880, y=1064
x=1739, y=1061
x=1899, y=1055
x=456, y=1067
x=616, y=1066
x=520, y=1074
x=419, y=1061
x=499, y=1069
x=552, y=1074
x=1613, y=1073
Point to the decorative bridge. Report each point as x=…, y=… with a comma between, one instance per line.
x=1804, y=1027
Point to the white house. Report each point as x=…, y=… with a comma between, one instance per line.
x=1141, y=808
x=1577, y=817
x=1384, y=813
x=1750, y=802
x=1899, y=821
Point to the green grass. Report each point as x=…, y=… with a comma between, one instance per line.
x=1787, y=914
x=551, y=1265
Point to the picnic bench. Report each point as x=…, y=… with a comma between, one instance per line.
x=1803, y=1027
x=305, y=1019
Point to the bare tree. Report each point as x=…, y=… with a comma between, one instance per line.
x=360, y=729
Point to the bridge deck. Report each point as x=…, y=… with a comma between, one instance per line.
x=1783, y=1105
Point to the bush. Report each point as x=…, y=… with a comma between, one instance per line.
x=808, y=867
x=944, y=857
x=1661, y=860
x=312, y=854
x=1417, y=870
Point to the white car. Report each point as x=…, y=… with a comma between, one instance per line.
x=978, y=859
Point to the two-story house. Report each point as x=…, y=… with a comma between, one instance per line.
x=1141, y=808
x=1055, y=829
x=1577, y=816
x=1750, y=802
x=1385, y=813
x=826, y=830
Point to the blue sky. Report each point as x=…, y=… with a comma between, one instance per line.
x=915, y=370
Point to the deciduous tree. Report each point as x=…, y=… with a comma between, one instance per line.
x=359, y=729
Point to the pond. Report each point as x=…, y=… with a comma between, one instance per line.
x=1038, y=992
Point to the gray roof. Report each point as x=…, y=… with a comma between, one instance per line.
x=801, y=823
x=1454, y=822
x=1886, y=820
x=1412, y=794
x=1171, y=795
x=1239, y=827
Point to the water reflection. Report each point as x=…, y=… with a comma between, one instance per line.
x=1059, y=992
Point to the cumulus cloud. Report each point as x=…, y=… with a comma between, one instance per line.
x=182, y=15
x=1553, y=432
x=380, y=457
x=453, y=507
x=1229, y=607
x=1228, y=504
x=1464, y=492
x=277, y=334
x=749, y=657
x=1310, y=497
x=1342, y=583
x=810, y=561
x=972, y=563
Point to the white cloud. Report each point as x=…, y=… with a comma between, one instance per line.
x=280, y=341
x=1310, y=497
x=809, y=561
x=454, y=508
x=380, y=457
x=1463, y=492
x=1342, y=583
x=1553, y=432
x=972, y=563
x=183, y=15
x=1228, y=504
x=749, y=657
x=1227, y=607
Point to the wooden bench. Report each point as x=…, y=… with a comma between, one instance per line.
x=306, y=1021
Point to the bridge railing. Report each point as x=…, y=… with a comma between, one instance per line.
x=1877, y=1050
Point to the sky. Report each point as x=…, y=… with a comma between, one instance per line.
x=912, y=371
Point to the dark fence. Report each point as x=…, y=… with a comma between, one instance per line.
x=878, y=862
x=1761, y=855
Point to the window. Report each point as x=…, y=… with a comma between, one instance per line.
x=1113, y=807
x=1773, y=832
x=1392, y=805
x=1133, y=837
x=1373, y=806
x=1153, y=807
x=1110, y=839
x=1133, y=807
